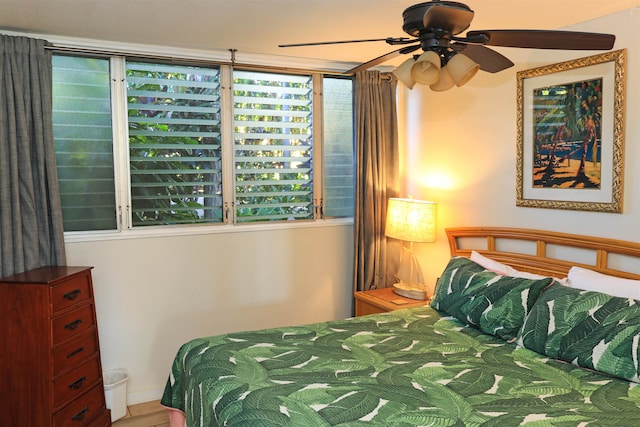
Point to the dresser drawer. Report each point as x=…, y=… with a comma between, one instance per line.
x=69, y=355
x=69, y=293
x=73, y=323
x=82, y=411
x=75, y=383
x=104, y=420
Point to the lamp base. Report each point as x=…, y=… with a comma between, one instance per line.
x=408, y=291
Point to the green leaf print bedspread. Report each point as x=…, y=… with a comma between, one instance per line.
x=410, y=367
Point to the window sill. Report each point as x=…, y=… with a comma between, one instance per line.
x=168, y=231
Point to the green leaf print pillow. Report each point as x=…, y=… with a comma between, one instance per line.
x=495, y=304
x=585, y=328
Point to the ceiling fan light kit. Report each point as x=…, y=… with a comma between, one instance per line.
x=434, y=27
x=462, y=68
x=445, y=83
x=426, y=69
x=403, y=73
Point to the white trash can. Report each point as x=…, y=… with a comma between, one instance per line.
x=115, y=392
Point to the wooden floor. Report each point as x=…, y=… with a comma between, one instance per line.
x=149, y=414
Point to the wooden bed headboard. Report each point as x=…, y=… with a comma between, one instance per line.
x=547, y=252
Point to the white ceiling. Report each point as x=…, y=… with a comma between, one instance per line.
x=258, y=26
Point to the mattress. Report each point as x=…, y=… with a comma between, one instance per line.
x=412, y=367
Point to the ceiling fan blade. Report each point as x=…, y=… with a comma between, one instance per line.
x=383, y=58
x=545, y=39
x=388, y=40
x=488, y=59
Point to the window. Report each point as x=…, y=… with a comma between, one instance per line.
x=339, y=173
x=174, y=144
x=273, y=146
x=82, y=129
x=142, y=144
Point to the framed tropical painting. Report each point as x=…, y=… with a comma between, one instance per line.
x=571, y=134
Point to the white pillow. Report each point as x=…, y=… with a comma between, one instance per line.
x=490, y=264
x=588, y=280
x=505, y=270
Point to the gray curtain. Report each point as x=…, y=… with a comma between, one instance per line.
x=31, y=232
x=377, y=176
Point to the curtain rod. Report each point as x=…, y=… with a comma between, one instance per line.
x=184, y=60
x=140, y=55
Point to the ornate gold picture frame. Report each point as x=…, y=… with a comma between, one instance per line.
x=571, y=134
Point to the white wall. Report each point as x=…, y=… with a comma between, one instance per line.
x=459, y=149
x=154, y=294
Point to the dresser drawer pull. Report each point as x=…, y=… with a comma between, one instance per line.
x=80, y=415
x=77, y=383
x=74, y=352
x=72, y=326
x=72, y=295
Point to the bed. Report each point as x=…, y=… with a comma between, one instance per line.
x=526, y=327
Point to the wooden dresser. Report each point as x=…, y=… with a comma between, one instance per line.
x=50, y=369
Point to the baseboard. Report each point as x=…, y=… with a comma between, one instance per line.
x=143, y=396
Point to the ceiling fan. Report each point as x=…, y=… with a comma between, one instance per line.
x=449, y=59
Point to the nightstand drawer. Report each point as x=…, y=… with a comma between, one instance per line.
x=363, y=308
x=70, y=293
x=382, y=300
x=71, y=324
x=75, y=383
x=69, y=355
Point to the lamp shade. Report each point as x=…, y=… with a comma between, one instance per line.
x=462, y=68
x=403, y=73
x=445, y=82
x=426, y=69
x=411, y=220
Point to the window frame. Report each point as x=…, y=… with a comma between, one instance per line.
x=122, y=178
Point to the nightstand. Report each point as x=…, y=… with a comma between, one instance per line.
x=383, y=300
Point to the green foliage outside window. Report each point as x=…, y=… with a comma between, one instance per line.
x=273, y=146
x=174, y=144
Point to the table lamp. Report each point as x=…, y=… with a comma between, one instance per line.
x=411, y=221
